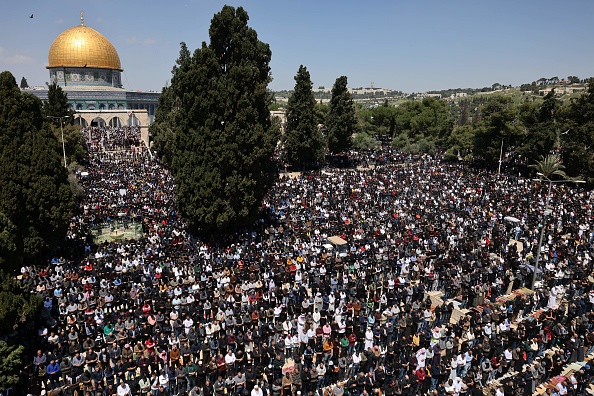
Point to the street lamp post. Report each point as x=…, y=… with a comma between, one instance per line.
x=61, y=118
x=500, y=157
x=544, y=221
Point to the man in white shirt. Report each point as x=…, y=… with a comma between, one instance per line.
x=488, y=330
x=287, y=326
x=459, y=385
x=508, y=355
x=450, y=388
x=460, y=363
x=188, y=323
x=277, y=312
x=164, y=380
x=288, y=344
x=124, y=389
x=296, y=343
x=257, y=391
x=230, y=361
x=356, y=357
x=316, y=319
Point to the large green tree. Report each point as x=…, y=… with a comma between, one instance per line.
x=421, y=126
x=380, y=120
x=499, y=121
x=542, y=125
x=578, y=140
x=303, y=141
x=36, y=202
x=164, y=128
x=57, y=110
x=460, y=142
x=341, y=121
x=214, y=126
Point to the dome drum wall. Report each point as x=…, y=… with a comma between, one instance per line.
x=85, y=76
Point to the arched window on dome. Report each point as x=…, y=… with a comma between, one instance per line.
x=79, y=106
x=111, y=106
x=102, y=107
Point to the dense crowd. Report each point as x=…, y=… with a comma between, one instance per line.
x=279, y=309
x=110, y=138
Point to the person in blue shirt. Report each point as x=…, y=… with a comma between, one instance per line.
x=53, y=373
x=48, y=303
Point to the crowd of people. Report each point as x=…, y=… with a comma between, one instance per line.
x=109, y=138
x=284, y=309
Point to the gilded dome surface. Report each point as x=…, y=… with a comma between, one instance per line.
x=82, y=46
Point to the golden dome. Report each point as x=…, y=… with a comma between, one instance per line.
x=82, y=46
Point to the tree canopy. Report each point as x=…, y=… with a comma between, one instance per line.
x=11, y=363
x=499, y=121
x=214, y=128
x=341, y=121
x=36, y=203
x=576, y=136
x=57, y=110
x=303, y=141
x=56, y=106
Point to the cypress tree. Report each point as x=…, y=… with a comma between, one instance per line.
x=303, y=141
x=220, y=140
x=57, y=106
x=341, y=121
x=36, y=203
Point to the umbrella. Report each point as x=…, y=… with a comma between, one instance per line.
x=511, y=219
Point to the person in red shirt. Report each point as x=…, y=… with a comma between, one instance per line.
x=352, y=342
x=150, y=345
x=421, y=376
x=221, y=365
x=231, y=340
x=495, y=363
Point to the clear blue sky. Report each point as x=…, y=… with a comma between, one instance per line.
x=408, y=45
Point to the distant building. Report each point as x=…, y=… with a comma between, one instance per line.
x=281, y=114
x=561, y=90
